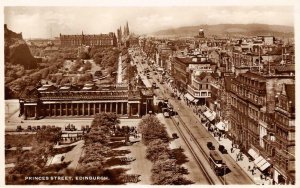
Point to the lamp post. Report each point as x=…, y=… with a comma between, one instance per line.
x=224, y=171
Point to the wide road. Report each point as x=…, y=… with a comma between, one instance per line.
x=237, y=175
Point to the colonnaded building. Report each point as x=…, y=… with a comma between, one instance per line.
x=84, y=100
x=109, y=39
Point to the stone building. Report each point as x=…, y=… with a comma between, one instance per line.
x=277, y=139
x=183, y=67
x=109, y=39
x=263, y=121
x=86, y=100
x=199, y=91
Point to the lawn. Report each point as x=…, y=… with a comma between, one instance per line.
x=20, y=140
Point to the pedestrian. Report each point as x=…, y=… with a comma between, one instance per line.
x=252, y=171
x=231, y=149
x=249, y=168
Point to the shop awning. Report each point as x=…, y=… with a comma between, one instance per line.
x=213, y=116
x=261, y=163
x=221, y=126
x=207, y=114
x=196, y=100
x=253, y=153
x=189, y=97
x=258, y=159
x=265, y=166
x=210, y=116
x=202, y=108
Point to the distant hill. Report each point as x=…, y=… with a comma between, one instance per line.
x=229, y=30
x=16, y=50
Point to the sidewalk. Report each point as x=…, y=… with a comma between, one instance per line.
x=245, y=163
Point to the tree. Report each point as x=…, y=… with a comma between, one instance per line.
x=50, y=134
x=155, y=149
x=106, y=119
x=151, y=129
x=84, y=55
x=97, y=134
x=167, y=172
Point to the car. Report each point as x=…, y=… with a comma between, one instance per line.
x=222, y=149
x=19, y=128
x=175, y=136
x=210, y=146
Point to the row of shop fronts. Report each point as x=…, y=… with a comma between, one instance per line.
x=215, y=123
x=266, y=167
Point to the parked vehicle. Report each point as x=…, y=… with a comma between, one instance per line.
x=210, y=146
x=165, y=112
x=175, y=136
x=222, y=149
x=19, y=128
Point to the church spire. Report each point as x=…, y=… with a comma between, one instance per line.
x=127, y=28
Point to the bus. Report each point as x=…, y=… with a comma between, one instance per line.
x=216, y=162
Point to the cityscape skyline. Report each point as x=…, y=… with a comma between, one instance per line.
x=66, y=20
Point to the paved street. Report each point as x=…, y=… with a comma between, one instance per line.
x=195, y=174
x=237, y=175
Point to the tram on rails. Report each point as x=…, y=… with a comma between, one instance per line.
x=216, y=163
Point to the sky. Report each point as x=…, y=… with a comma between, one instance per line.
x=46, y=22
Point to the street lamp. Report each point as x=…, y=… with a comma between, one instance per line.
x=224, y=171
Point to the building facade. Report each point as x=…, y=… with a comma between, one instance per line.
x=262, y=121
x=87, y=100
x=200, y=87
x=109, y=39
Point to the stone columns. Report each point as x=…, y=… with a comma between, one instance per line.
x=139, y=109
x=55, y=109
x=94, y=108
x=117, y=108
x=50, y=110
x=60, y=106
x=128, y=109
x=83, y=110
x=72, y=109
x=122, y=108
x=105, y=106
x=35, y=112
x=67, y=109
x=25, y=112
x=99, y=107
x=89, y=109
x=111, y=104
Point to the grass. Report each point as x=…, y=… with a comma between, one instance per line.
x=22, y=140
x=10, y=157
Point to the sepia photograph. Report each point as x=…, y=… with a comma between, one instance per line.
x=149, y=95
